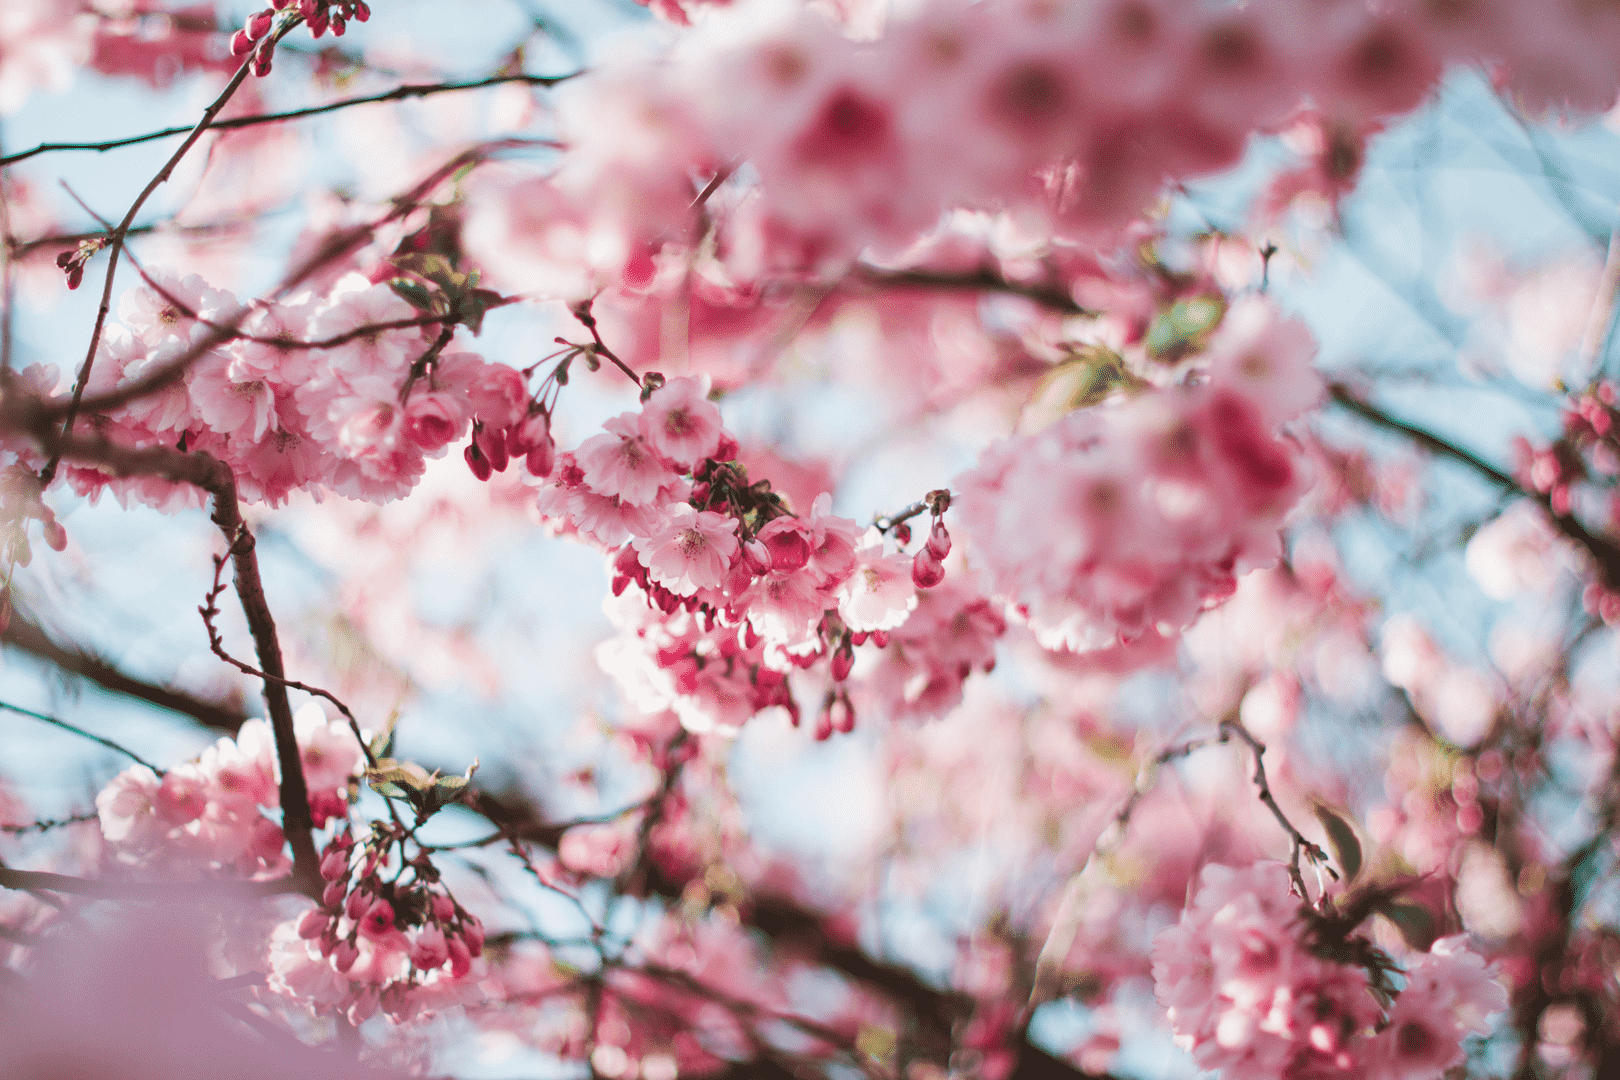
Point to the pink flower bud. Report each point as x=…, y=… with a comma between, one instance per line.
x=491, y=442
x=241, y=43
x=842, y=715
x=756, y=556
x=338, y=25
x=429, y=950
x=477, y=462
x=824, y=728
x=344, y=954
x=728, y=448
x=472, y=932
x=902, y=534
x=939, y=541
x=880, y=638
x=317, y=22
x=359, y=903
x=842, y=661
x=258, y=24
x=460, y=958
x=313, y=924
x=444, y=908
x=55, y=535
x=926, y=569
x=332, y=895
x=540, y=459
x=335, y=863
x=262, y=58
x=361, y=11
x=858, y=638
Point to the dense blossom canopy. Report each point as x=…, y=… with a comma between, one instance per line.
x=1056, y=621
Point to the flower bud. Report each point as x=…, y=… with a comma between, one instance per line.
x=902, y=534
x=263, y=56
x=842, y=661
x=880, y=638
x=472, y=932
x=313, y=924
x=460, y=957
x=332, y=895
x=939, y=541
x=344, y=956
x=335, y=863
x=491, y=442
x=359, y=903
x=926, y=569
x=842, y=715
x=476, y=461
x=241, y=43
x=55, y=535
x=540, y=460
x=756, y=556
x=258, y=24
x=728, y=448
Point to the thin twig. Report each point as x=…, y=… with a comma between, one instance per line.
x=1301, y=845
x=397, y=94
x=985, y=279
x=30, y=880
x=65, y=726
x=47, y=824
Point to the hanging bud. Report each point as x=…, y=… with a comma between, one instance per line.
x=476, y=461
x=858, y=638
x=55, y=535
x=842, y=714
x=756, y=556
x=492, y=442
x=332, y=895
x=241, y=43
x=344, y=955
x=258, y=24
x=262, y=58
x=902, y=534
x=926, y=569
x=361, y=12
x=842, y=661
x=728, y=450
x=939, y=541
x=313, y=924
x=880, y=638
x=335, y=864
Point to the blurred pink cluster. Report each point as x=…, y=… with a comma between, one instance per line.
x=1247, y=995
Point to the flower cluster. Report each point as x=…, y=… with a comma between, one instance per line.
x=1136, y=515
x=344, y=393
x=403, y=947
x=1246, y=994
x=1071, y=117
x=256, y=35
x=209, y=812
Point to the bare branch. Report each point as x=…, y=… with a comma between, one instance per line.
x=65, y=726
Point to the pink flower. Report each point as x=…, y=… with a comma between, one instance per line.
x=620, y=464
x=879, y=595
x=681, y=423
x=429, y=950
x=434, y=419
x=377, y=923
x=692, y=550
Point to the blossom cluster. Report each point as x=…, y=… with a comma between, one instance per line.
x=209, y=812
x=1072, y=116
x=724, y=589
x=1134, y=516
x=1246, y=994
x=343, y=392
x=402, y=947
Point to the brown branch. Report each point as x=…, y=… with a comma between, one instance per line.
x=985, y=279
x=24, y=415
x=337, y=246
x=397, y=94
x=26, y=636
x=1603, y=551
x=117, y=235
x=1301, y=845
x=65, y=726
x=47, y=824
x=29, y=880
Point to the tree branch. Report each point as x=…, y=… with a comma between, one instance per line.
x=65, y=726
x=1603, y=551
x=397, y=94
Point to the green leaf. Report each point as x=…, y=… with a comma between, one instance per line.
x=1087, y=377
x=1346, y=848
x=1414, y=922
x=413, y=294
x=1184, y=327
x=406, y=774
x=382, y=743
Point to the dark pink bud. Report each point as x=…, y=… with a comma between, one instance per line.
x=472, y=932
x=460, y=957
x=880, y=638
x=361, y=11
x=824, y=727
x=700, y=493
x=241, y=43
x=262, y=58
x=332, y=895
x=939, y=541
x=858, y=638
x=476, y=461
x=842, y=715
x=750, y=637
x=528, y=433
x=258, y=24
x=359, y=903
x=338, y=26
x=926, y=569
x=313, y=924
x=842, y=661
x=790, y=550
x=344, y=955
x=756, y=556
x=540, y=459
x=444, y=908
x=902, y=534
x=317, y=22
x=728, y=448
x=335, y=864
x=55, y=535
x=491, y=442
